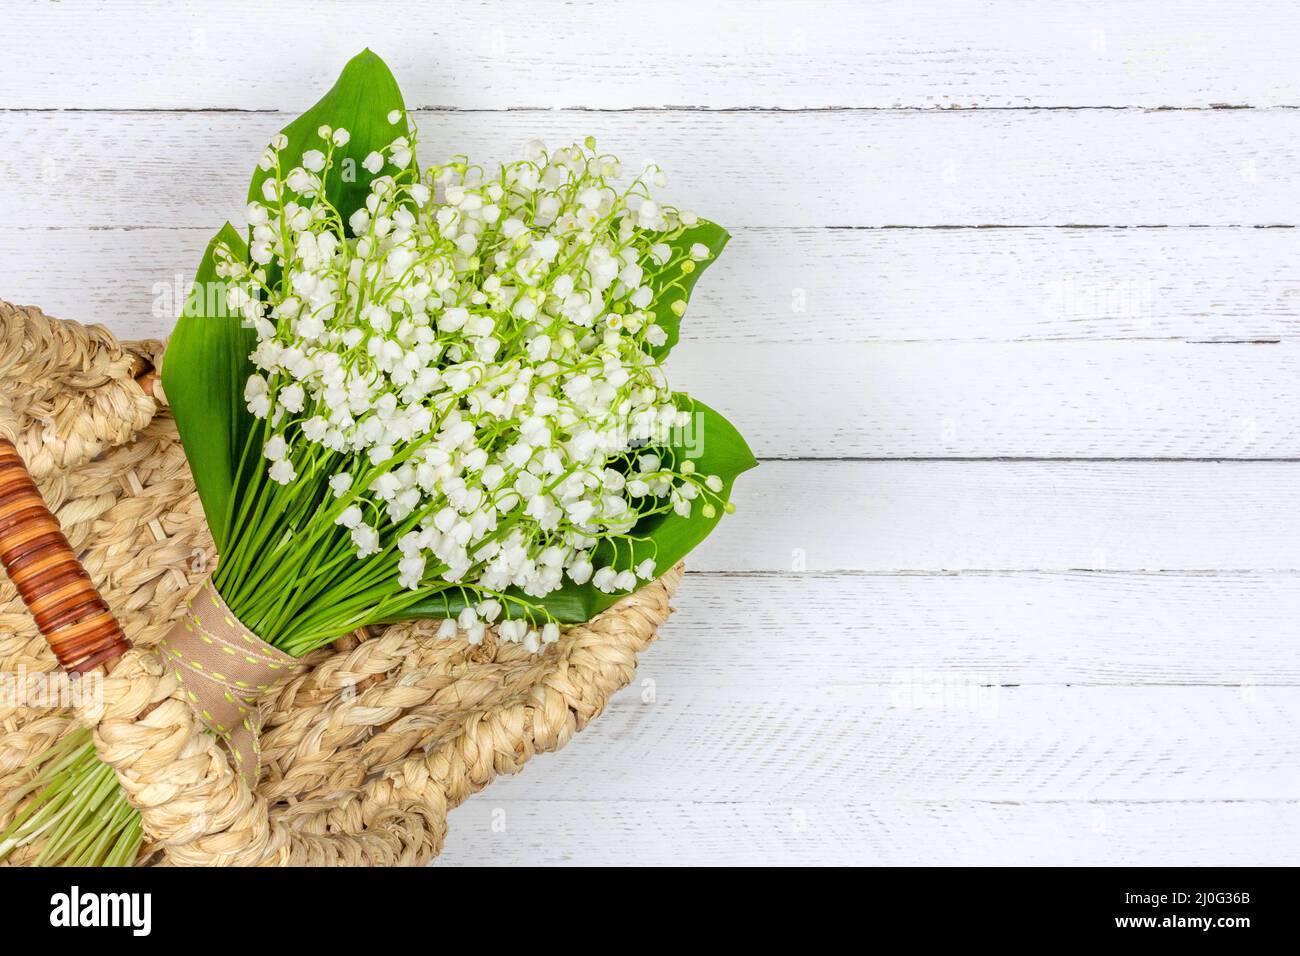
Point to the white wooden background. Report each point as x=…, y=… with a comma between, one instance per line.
x=1011, y=315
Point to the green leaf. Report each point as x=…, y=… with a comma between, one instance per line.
x=359, y=102
x=207, y=357
x=675, y=283
x=716, y=448
x=203, y=374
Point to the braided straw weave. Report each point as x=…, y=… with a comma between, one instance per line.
x=365, y=748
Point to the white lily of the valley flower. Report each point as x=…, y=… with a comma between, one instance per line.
x=472, y=374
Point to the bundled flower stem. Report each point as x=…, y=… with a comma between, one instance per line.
x=456, y=394
x=77, y=810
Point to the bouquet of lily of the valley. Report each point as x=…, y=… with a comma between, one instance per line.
x=407, y=393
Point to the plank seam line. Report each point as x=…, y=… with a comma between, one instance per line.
x=924, y=801
x=1004, y=572
x=1029, y=459
x=957, y=227
x=936, y=109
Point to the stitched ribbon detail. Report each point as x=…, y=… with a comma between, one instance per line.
x=224, y=668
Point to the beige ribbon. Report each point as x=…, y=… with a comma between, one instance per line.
x=224, y=668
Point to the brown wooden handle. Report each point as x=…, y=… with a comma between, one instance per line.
x=80, y=628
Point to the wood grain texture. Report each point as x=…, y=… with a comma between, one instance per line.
x=750, y=168
x=1009, y=516
x=928, y=737
x=817, y=286
x=990, y=400
x=493, y=832
x=470, y=54
x=1062, y=628
x=1062, y=399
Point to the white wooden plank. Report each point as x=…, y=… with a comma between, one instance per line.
x=994, y=515
x=813, y=285
x=1049, y=399
x=1045, y=399
x=742, y=169
x=794, y=631
x=719, y=54
x=490, y=832
x=926, y=740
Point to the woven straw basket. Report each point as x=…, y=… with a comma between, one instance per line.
x=364, y=749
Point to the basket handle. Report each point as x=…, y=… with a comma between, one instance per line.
x=58, y=592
